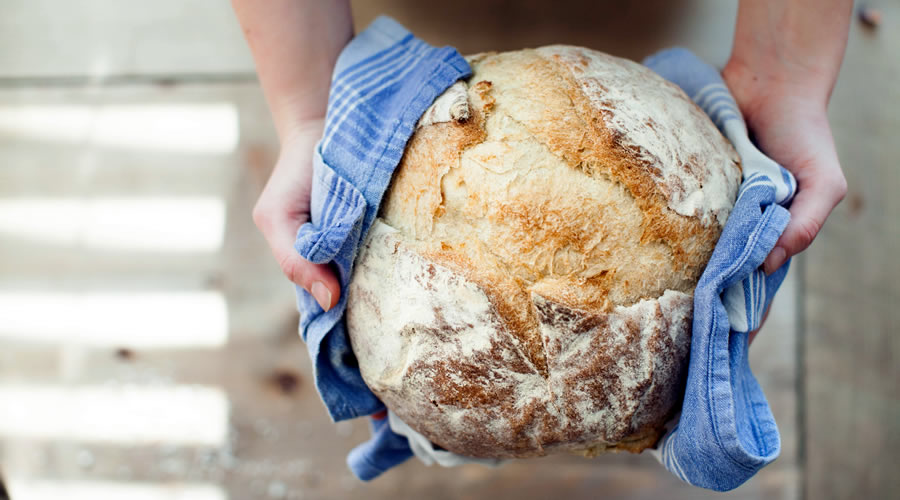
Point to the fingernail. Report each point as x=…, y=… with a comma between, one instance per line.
x=774, y=260
x=321, y=294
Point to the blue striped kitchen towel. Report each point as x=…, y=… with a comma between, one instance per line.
x=383, y=81
x=726, y=431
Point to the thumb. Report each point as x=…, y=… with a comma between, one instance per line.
x=317, y=279
x=810, y=208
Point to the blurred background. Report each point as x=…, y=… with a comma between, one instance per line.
x=148, y=343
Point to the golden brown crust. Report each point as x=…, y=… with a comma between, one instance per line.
x=540, y=213
x=450, y=368
x=574, y=133
x=604, y=153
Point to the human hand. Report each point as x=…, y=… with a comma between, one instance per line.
x=295, y=44
x=283, y=207
x=790, y=125
x=792, y=128
x=784, y=61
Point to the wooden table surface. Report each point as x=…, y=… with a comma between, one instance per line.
x=92, y=95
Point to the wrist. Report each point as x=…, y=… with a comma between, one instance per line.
x=303, y=130
x=756, y=92
x=764, y=79
x=297, y=114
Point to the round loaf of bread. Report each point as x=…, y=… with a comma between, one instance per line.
x=527, y=287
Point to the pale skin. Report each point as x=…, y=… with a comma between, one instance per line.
x=295, y=44
x=784, y=63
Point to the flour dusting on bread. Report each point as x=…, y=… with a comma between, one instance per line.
x=527, y=286
x=666, y=129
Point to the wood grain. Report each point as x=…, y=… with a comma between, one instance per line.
x=852, y=285
x=283, y=444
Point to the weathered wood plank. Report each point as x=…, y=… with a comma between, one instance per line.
x=627, y=29
x=281, y=443
x=852, y=375
x=97, y=39
x=277, y=438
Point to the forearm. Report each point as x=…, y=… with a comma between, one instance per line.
x=786, y=58
x=796, y=43
x=295, y=44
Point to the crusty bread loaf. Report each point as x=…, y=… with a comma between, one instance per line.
x=527, y=287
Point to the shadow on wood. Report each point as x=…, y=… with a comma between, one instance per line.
x=628, y=29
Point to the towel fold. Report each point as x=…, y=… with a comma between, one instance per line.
x=384, y=80
x=726, y=431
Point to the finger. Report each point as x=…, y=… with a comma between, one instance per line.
x=810, y=208
x=317, y=279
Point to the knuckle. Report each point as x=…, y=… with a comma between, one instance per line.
x=260, y=217
x=839, y=185
x=297, y=269
x=806, y=232
x=292, y=268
